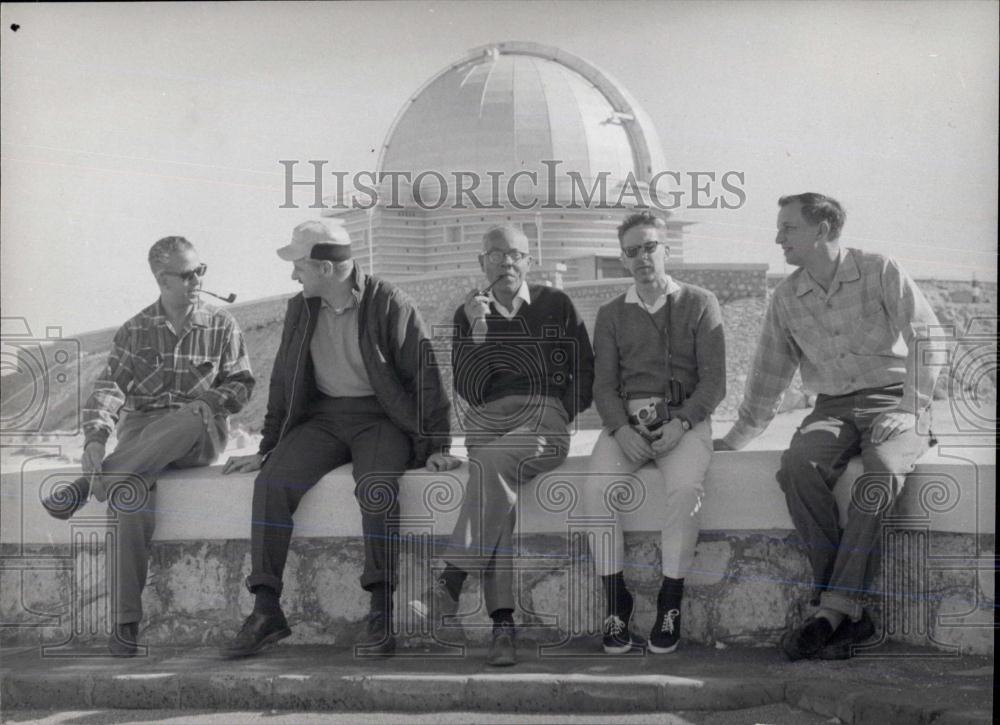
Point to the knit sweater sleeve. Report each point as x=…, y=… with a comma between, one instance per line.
x=710, y=353
x=607, y=374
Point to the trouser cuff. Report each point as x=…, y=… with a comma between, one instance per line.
x=266, y=580
x=841, y=603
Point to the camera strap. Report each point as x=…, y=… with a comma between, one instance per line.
x=665, y=341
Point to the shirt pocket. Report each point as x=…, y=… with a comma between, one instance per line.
x=147, y=372
x=202, y=370
x=873, y=335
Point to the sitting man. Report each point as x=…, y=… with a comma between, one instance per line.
x=522, y=361
x=851, y=320
x=659, y=372
x=177, y=369
x=347, y=385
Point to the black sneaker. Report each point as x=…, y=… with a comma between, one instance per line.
x=259, y=630
x=847, y=635
x=806, y=641
x=666, y=631
x=617, y=634
x=435, y=604
x=379, y=640
x=66, y=499
x=502, y=653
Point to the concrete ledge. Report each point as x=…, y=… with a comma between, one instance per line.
x=952, y=490
x=906, y=688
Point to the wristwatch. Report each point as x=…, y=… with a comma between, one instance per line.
x=685, y=424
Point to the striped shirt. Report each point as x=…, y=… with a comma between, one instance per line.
x=151, y=366
x=860, y=333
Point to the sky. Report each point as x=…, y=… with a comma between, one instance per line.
x=124, y=123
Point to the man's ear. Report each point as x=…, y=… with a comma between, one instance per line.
x=824, y=230
x=326, y=268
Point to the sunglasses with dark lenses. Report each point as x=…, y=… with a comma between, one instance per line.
x=647, y=247
x=497, y=256
x=191, y=274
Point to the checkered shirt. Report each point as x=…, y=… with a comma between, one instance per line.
x=150, y=367
x=861, y=333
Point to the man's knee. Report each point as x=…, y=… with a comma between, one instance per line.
x=796, y=465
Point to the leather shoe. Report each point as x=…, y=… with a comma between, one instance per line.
x=379, y=640
x=502, y=653
x=259, y=630
x=66, y=499
x=807, y=640
x=122, y=642
x=848, y=634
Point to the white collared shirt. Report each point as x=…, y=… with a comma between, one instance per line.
x=523, y=297
x=632, y=297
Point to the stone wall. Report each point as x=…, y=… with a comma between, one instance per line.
x=745, y=589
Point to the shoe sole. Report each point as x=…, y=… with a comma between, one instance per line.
x=620, y=649
x=503, y=662
x=269, y=639
x=660, y=650
x=61, y=514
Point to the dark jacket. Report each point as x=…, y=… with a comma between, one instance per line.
x=544, y=349
x=398, y=357
x=627, y=346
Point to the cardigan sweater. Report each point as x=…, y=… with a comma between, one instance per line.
x=637, y=353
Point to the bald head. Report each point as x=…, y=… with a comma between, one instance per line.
x=506, y=236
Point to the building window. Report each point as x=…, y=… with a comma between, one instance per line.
x=453, y=235
x=530, y=230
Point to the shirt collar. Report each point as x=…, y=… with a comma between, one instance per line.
x=847, y=271
x=522, y=294
x=632, y=295
x=200, y=316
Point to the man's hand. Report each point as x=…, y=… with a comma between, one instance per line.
x=442, y=462
x=477, y=306
x=889, y=425
x=93, y=457
x=243, y=464
x=633, y=444
x=200, y=407
x=670, y=436
x=719, y=444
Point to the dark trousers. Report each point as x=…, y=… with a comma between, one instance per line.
x=839, y=428
x=337, y=430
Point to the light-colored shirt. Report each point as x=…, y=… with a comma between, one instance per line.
x=521, y=297
x=336, y=353
x=632, y=297
x=861, y=333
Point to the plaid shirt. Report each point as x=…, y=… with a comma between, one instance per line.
x=151, y=367
x=862, y=333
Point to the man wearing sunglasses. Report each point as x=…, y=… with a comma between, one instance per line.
x=660, y=371
x=177, y=370
x=523, y=364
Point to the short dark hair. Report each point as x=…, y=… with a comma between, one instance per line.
x=159, y=253
x=818, y=208
x=639, y=219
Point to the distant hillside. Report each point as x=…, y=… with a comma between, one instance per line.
x=261, y=323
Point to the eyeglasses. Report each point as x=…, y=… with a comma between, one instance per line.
x=496, y=256
x=191, y=274
x=646, y=247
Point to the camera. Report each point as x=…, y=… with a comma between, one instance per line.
x=41, y=381
x=652, y=417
